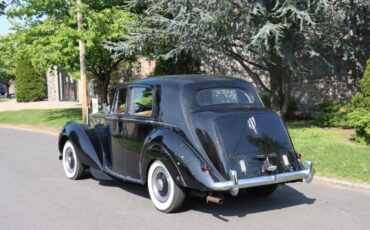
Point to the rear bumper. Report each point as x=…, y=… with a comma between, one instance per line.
x=233, y=185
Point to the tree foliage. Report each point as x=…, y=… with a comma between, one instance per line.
x=48, y=36
x=273, y=38
x=7, y=74
x=29, y=85
x=359, y=115
x=184, y=63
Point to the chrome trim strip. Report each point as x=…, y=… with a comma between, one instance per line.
x=148, y=122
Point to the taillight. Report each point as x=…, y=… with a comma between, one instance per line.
x=205, y=167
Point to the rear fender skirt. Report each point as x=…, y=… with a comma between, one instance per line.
x=171, y=148
x=86, y=141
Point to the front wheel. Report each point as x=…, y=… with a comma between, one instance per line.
x=72, y=167
x=164, y=193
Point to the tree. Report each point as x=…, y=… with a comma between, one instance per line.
x=48, y=36
x=7, y=80
x=183, y=63
x=7, y=75
x=29, y=85
x=272, y=38
x=4, y=5
x=359, y=116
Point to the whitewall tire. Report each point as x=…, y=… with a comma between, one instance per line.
x=164, y=193
x=71, y=165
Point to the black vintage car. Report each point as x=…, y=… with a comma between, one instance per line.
x=181, y=135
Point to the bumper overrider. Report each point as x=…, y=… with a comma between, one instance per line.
x=233, y=185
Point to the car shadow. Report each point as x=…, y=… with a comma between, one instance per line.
x=240, y=206
x=244, y=204
x=105, y=180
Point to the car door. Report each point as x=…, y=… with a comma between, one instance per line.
x=138, y=123
x=115, y=122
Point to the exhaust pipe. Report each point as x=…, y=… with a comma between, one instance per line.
x=213, y=199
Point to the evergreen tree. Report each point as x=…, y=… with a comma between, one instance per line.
x=275, y=38
x=29, y=85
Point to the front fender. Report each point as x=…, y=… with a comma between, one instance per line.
x=176, y=154
x=86, y=141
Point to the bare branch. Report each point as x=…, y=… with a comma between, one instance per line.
x=248, y=61
x=255, y=77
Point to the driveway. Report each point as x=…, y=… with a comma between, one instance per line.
x=34, y=194
x=11, y=105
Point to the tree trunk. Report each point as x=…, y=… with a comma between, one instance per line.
x=102, y=83
x=275, y=86
x=286, y=90
x=280, y=88
x=7, y=90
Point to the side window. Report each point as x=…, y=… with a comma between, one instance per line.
x=119, y=101
x=141, y=101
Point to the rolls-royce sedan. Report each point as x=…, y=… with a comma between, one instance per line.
x=184, y=135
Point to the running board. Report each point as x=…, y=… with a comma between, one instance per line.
x=122, y=177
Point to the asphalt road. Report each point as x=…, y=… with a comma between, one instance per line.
x=34, y=194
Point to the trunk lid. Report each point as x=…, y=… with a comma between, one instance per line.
x=243, y=140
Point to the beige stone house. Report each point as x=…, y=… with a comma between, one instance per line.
x=62, y=87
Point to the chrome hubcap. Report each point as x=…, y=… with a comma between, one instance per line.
x=161, y=184
x=69, y=160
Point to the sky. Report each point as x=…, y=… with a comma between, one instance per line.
x=4, y=25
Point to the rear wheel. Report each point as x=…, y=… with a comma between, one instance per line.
x=72, y=167
x=164, y=193
x=263, y=191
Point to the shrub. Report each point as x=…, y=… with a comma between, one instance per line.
x=331, y=114
x=292, y=108
x=29, y=85
x=359, y=115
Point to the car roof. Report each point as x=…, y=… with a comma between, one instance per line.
x=181, y=80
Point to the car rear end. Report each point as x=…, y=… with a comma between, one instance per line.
x=245, y=143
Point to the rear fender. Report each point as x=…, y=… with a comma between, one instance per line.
x=181, y=161
x=86, y=141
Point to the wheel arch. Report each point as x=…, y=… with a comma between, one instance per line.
x=169, y=147
x=159, y=152
x=86, y=141
x=62, y=141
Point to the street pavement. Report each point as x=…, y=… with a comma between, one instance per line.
x=35, y=194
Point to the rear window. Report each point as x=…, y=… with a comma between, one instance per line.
x=218, y=96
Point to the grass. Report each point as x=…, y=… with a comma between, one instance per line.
x=52, y=118
x=333, y=153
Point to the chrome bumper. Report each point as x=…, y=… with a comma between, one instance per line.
x=233, y=185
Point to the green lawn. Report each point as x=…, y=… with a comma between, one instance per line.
x=333, y=153
x=53, y=118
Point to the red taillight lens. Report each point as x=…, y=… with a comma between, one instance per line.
x=205, y=168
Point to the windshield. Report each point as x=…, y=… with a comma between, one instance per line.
x=216, y=96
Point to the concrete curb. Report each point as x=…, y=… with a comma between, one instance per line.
x=31, y=128
x=341, y=183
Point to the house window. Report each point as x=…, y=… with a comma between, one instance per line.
x=67, y=88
